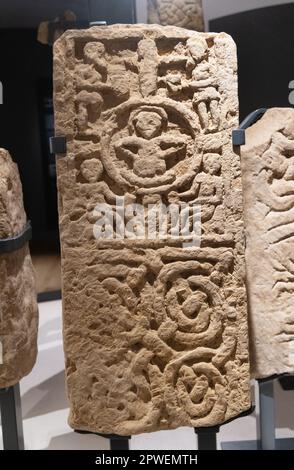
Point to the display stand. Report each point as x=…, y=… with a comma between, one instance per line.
x=266, y=435
x=266, y=429
x=207, y=438
x=117, y=442
x=287, y=382
x=11, y=418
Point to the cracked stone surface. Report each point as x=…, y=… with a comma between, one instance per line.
x=184, y=13
x=268, y=173
x=155, y=334
x=18, y=302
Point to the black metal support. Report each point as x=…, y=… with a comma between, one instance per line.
x=119, y=442
x=287, y=382
x=57, y=144
x=266, y=415
x=266, y=439
x=49, y=296
x=207, y=438
x=116, y=442
x=238, y=135
x=11, y=418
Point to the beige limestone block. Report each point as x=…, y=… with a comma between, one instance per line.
x=183, y=13
x=268, y=181
x=18, y=303
x=155, y=333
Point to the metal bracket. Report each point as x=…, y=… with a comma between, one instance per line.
x=267, y=414
x=265, y=423
x=98, y=23
x=238, y=135
x=57, y=144
x=287, y=381
x=119, y=442
x=11, y=418
x=8, y=245
x=207, y=437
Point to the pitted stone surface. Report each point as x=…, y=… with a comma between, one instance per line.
x=268, y=172
x=18, y=303
x=183, y=13
x=155, y=335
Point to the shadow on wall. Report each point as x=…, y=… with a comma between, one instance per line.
x=46, y=397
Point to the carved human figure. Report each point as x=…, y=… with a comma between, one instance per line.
x=195, y=53
x=149, y=149
x=96, y=74
x=89, y=105
x=203, y=82
x=201, y=73
x=92, y=71
x=210, y=184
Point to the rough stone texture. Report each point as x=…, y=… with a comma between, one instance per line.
x=155, y=335
x=18, y=303
x=183, y=13
x=268, y=172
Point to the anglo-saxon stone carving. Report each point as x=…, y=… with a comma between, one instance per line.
x=183, y=13
x=155, y=334
x=18, y=303
x=268, y=168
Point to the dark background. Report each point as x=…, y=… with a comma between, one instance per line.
x=265, y=44
x=26, y=115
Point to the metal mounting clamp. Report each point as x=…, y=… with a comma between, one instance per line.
x=238, y=135
x=8, y=245
x=98, y=23
x=57, y=144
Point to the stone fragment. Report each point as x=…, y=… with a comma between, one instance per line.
x=268, y=181
x=155, y=331
x=183, y=13
x=18, y=303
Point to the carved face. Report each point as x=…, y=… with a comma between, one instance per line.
x=198, y=48
x=148, y=124
x=94, y=50
x=149, y=146
x=211, y=163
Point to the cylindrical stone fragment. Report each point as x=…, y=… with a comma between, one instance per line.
x=18, y=302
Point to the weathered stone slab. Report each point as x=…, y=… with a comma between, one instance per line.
x=268, y=177
x=18, y=303
x=183, y=13
x=155, y=334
